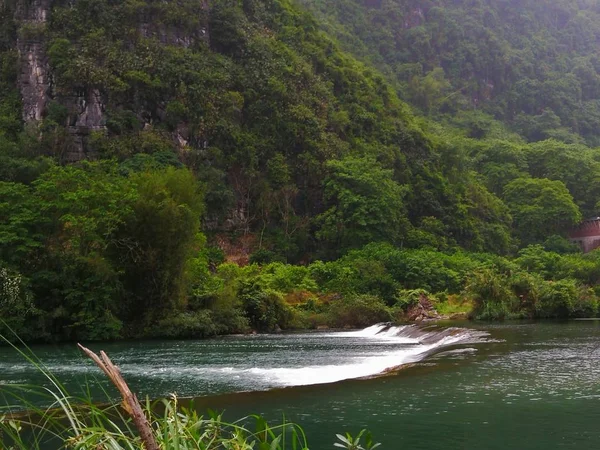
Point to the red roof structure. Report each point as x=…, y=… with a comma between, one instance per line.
x=587, y=235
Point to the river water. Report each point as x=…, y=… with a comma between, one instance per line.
x=462, y=386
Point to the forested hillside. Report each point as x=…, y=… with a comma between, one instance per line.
x=532, y=64
x=145, y=143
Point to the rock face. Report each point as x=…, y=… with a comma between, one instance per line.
x=86, y=109
x=422, y=311
x=34, y=80
x=86, y=106
x=86, y=114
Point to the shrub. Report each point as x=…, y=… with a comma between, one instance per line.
x=197, y=324
x=526, y=288
x=535, y=259
x=586, y=304
x=356, y=274
x=420, y=269
x=230, y=320
x=263, y=256
x=264, y=308
x=16, y=303
x=359, y=311
x=491, y=295
x=410, y=297
x=557, y=299
x=288, y=278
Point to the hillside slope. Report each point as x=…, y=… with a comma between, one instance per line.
x=534, y=65
x=255, y=99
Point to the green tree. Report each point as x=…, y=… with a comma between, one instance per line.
x=364, y=203
x=78, y=281
x=22, y=224
x=158, y=241
x=540, y=208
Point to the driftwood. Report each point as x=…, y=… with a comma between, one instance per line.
x=130, y=402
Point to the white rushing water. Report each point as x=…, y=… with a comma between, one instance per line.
x=246, y=363
x=403, y=345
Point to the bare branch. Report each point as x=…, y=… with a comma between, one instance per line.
x=130, y=401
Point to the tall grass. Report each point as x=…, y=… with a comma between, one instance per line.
x=77, y=423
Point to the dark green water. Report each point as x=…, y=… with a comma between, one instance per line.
x=523, y=386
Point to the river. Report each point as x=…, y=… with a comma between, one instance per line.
x=463, y=385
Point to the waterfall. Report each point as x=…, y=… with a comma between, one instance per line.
x=390, y=347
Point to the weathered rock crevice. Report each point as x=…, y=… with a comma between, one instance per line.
x=35, y=82
x=86, y=115
x=87, y=105
x=86, y=109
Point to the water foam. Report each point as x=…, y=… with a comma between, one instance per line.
x=261, y=362
x=413, y=344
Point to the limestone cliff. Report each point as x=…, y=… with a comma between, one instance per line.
x=86, y=114
x=36, y=81
x=86, y=105
x=35, y=78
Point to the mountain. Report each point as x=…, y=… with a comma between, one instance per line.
x=141, y=139
x=533, y=65
x=255, y=99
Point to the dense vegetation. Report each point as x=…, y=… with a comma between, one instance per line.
x=531, y=64
x=260, y=139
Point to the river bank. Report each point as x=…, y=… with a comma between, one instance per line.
x=378, y=283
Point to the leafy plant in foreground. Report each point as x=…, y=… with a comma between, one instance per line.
x=355, y=443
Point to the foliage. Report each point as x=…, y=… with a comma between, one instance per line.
x=410, y=297
x=16, y=303
x=265, y=308
x=366, y=205
x=89, y=239
x=447, y=56
x=557, y=299
x=187, y=325
x=491, y=295
x=540, y=208
x=349, y=442
x=359, y=311
x=164, y=228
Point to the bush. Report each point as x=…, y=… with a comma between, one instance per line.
x=526, y=288
x=491, y=295
x=534, y=258
x=288, y=278
x=197, y=324
x=16, y=304
x=557, y=299
x=586, y=304
x=356, y=274
x=410, y=297
x=359, y=311
x=230, y=320
x=420, y=269
x=264, y=308
x=263, y=256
